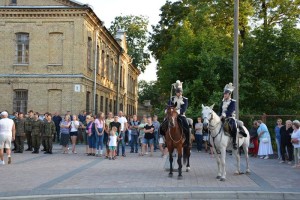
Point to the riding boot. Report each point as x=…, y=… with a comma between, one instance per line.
x=234, y=145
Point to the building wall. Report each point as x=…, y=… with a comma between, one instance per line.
x=59, y=42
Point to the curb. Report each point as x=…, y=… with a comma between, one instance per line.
x=167, y=195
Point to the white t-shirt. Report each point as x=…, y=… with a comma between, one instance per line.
x=73, y=126
x=199, y=126
x=122, y=121
x=112, y=141
x=6, y=125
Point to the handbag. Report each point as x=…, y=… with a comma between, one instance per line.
x=265, y=140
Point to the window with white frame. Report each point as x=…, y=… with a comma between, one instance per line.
x=22, y=48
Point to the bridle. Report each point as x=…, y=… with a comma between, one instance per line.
x=210, y=129
x=169, y=127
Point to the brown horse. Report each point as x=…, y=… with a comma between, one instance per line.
x=174, y=139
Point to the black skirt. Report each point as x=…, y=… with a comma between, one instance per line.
x=65, y=138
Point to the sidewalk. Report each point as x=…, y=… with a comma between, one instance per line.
x=136, y=177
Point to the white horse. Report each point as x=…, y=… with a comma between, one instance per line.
x=220, y=141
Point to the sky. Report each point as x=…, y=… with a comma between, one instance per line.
x=107, y=10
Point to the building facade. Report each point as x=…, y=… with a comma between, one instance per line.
x=57, y=56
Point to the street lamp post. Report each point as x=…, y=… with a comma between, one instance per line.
x=236, y=56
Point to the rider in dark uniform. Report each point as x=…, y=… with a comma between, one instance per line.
x=181, y=107
x=227, y=111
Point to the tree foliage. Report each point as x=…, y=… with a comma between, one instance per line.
x=193, y=42
x=136, y=37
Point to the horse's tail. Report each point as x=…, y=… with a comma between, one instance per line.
x=186, y=150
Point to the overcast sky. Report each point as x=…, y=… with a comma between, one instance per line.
x=107, y=10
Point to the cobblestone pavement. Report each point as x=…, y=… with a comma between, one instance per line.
x=69, y=174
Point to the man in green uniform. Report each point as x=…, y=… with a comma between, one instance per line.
x=28, y=129
x=49, y=130
x=37, y=127
x=20, y=133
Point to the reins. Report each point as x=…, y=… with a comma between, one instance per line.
x=172, y=137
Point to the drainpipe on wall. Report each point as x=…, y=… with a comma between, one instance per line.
x=95, y=74
x=119, y=76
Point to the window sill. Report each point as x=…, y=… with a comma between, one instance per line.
x=54, y=65
x=21, y=64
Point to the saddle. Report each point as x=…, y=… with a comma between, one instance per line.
x=240, y=128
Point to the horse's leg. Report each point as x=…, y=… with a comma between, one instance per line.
x=179, y=161
x=245, y=147
x=217, y=156
x=188, y=168
x=238, y=162
x=171, y=162
x=223, y=163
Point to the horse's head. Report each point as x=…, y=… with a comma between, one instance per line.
x=172, y=114
x=207, y=115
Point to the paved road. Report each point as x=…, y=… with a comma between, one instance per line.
x=65, y=175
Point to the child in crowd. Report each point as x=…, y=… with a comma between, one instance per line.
x=112, y=143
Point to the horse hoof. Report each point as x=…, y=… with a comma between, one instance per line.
x=170, y=175
x=180, y=177
x=218, y=177
x=222, y=179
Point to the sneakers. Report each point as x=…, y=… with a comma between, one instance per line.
x=261, y=157
x=282, y=161
x=2, y=162
x=267, y=157
x=289, y=163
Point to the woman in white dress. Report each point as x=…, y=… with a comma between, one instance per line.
x=265, y=144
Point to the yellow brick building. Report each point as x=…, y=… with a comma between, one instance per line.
x=57, y=56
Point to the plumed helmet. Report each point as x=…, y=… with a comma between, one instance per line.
x=228, y=88
x=178, y=86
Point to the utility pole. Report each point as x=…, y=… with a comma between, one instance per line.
x=236, y=57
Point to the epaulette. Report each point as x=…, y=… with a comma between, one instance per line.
x=185, y=98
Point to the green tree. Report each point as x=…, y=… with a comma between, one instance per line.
x=136, y=37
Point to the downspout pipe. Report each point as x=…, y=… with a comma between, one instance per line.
x=119, y=77
x=95, y=73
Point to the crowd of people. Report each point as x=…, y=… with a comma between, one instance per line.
x=287, y=138
x=104, y=136
x=107, y=136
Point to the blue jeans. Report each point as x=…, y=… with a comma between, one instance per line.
x=199, y=139
x=99, y=140
x=134, y=143
x=91, y=141
x=278, y=147
x=121, y=142
x=155, y=140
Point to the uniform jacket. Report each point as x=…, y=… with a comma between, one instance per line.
x=37, y=127
x=20, y=127
x=182, y=103
x=229, y=112
x=49, y=129
x=28, y=124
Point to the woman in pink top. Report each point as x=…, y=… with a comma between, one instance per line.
x=99, y=126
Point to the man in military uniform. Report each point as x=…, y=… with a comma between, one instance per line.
x=37, y=127
x=181, y=103
x=28, y=129
x=227, y=112
x=49, y=130
x=20, y=133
